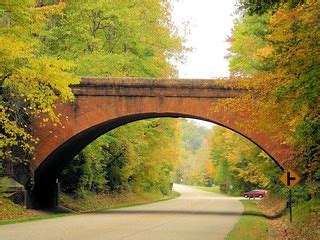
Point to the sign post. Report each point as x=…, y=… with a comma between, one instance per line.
x=290, y=179
x=290, y=206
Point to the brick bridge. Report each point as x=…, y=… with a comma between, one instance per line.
x=102, y=104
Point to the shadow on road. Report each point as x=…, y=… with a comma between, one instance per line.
x=174, y=212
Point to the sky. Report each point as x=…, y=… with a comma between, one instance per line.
x=209, y=23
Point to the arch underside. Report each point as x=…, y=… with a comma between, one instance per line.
x=51, y=167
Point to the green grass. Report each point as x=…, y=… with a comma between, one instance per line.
x=214, y=189
x=251, y=225
x=35, y=218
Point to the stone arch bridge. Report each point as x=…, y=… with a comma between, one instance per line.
x=102, y=104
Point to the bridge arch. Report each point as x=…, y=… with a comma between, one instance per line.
x=104, y=104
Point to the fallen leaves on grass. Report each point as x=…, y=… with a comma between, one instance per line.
x=10, y=210
x=306, y=219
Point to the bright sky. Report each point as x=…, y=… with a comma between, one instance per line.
x=210, y=23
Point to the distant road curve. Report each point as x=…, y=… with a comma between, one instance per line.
x=194, y=215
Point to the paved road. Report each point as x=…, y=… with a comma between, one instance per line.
x=194, y=215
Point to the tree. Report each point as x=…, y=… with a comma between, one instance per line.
x=31, y=81
x=252, y=7
x=281, y=77
x=138, y=157
x=117, y=38
x=238, y=162
x=122, y=38
x=193, y=167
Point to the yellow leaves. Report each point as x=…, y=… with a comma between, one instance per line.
x=252, y=173
x=12, y=49
x=283, y=85
x=13, y=135
x=210, y=168
x=40, y=80
x=291, y=49
x=45, y=11
x=239, y=157
x=286, y=22
x=264, y=52
x=40, y=15
x=30, y=79
x=13, y=53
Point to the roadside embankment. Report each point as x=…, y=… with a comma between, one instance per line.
x=306, y=218
x=109, y=201
x=15, y=213
x=269, y=219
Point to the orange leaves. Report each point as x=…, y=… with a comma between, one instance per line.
x=280, y=68
x=264, y=52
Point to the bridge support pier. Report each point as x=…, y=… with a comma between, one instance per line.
x=43, y=195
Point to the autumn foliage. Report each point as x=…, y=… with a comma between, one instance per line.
x=275, y=55
x=31, y=81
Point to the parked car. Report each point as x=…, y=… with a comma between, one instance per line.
x=259, y=193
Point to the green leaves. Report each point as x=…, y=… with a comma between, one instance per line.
x=119, y=39
x=239, y=162
x=137, y=157
x=116, y=38
x=277, y=45
x=30, y=80
x=249, y=50
x=194, y=166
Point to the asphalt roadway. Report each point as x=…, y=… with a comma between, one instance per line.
x=194, y=215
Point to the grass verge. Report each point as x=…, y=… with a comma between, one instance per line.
x=251, y=225
x=11, y=213
x=35, y=218
x=214, y=189
x=14, y=213
x=306, y=220
x=110, y=201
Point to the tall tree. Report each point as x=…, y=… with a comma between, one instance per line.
x=280, y=68
x=122, y=38
x=193, y=167
x=240, y=163
x=117, y=38
x=31, y=81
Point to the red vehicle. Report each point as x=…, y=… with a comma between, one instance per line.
x=257, y=193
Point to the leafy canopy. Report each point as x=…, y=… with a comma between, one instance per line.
x=31, y=81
